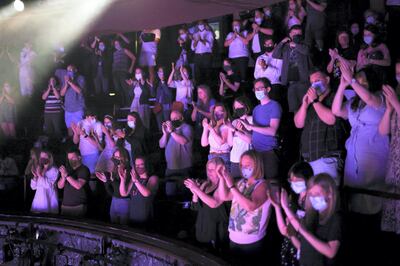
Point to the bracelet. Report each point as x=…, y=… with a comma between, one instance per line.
x=316, y=100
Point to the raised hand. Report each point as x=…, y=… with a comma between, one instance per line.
x=63, y=171
x=133, y=175
x=101, y=176
x=284, y=199
x=390, y=95
x=205, y=123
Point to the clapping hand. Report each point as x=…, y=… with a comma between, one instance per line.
x=63, y=171
x=191, y=184
x=205, y=123
x=346, y=69
x=390, y=97
x=101, y=176
x=134, y=175
x=284, y=199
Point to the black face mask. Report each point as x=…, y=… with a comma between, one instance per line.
x=176, y=123
x=44, y=161
x=116, y=161
x=239, y=112
x=298, y=38
x=269, y=49
x=227, y=68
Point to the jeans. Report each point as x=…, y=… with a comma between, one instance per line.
x=101, y=83
x=121, y=88
x=119, y=210
x=73, y=117
x=53, y=124
x=202, y=67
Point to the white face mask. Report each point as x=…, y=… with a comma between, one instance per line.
x=260, y=95
x=201, y=27
x=318, y=203
x=258, y=20
x=131, y=124
x=298, y=186
x=183, y=36
x=236, y=28
x=138, y=76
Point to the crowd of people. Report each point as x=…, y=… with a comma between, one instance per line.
x=328, y=112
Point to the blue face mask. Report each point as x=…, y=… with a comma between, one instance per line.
x=298, y=186
x=370, y=20
x=319, y=86
x=260, y=95
x=247, y=172
x=368, y=39
x=71, y=74
x=102, y=47
x=318, y=203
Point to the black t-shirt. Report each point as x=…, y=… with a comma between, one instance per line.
x=72, y=196
x=234, y=78
x=331, y=231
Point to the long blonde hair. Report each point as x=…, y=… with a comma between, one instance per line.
x=327, y=183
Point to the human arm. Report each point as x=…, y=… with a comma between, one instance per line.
x=319, y=7
x=171, y=75
x=206, y=131
x=164, y=138
x=324, y=113
x=392, y=104
x=211, y=201
x=301, y=114
x=338, y=108
x=328, y=249
x=63, y=176
x=145, y=190
x=133, y=59
x=270, y=130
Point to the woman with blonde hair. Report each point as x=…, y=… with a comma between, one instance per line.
x=250, y=208
x=212, y=216
x=45, y=175
x=319, y=234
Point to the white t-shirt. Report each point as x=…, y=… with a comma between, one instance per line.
x=239, y=146
x=214, y=145
x=151, y=47
x=183, y=91
x=237, y=48
x=85, y=146
x=202, y=48
x=273, y=70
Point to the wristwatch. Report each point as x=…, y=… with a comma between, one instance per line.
x=316, y=100
x=353, y=80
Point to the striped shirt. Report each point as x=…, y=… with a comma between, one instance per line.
x=52, y=104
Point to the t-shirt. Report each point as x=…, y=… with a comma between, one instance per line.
x=179, y=156
x=183, y=91
x=314, y=15
x=73, y=101
x=239, y=146
x=330, y=231
x=52, y=104
x=234, y=78
x=73, y=197
x=85, y=146
x=237, y=48
x=262, y=115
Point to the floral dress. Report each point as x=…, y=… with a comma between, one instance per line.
x=391, y=208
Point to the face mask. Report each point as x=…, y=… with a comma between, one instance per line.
x=140, y=170
x=298, y=186
x=131, y=124
x=239, y=112
x=398, y=78
x=108, y=125
x=73, y=163
x=118, y=46
x=71, y=74
x=236, y=28
x=368, y=39
x=269, y=49
x=318, y=203
x=297, y=38
x=44, y=161
x=138, y=76
x=319, y=86
x=247, y=172
x=268, y=13
x=102, y=47
x=176, y=123
x=116, y=161
x=201, y=27
x=370, y=20
x=260, y=95
x=258, y=20
x=219, y=116
x=227, y=68
x=355, y=30
x=183, y=36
